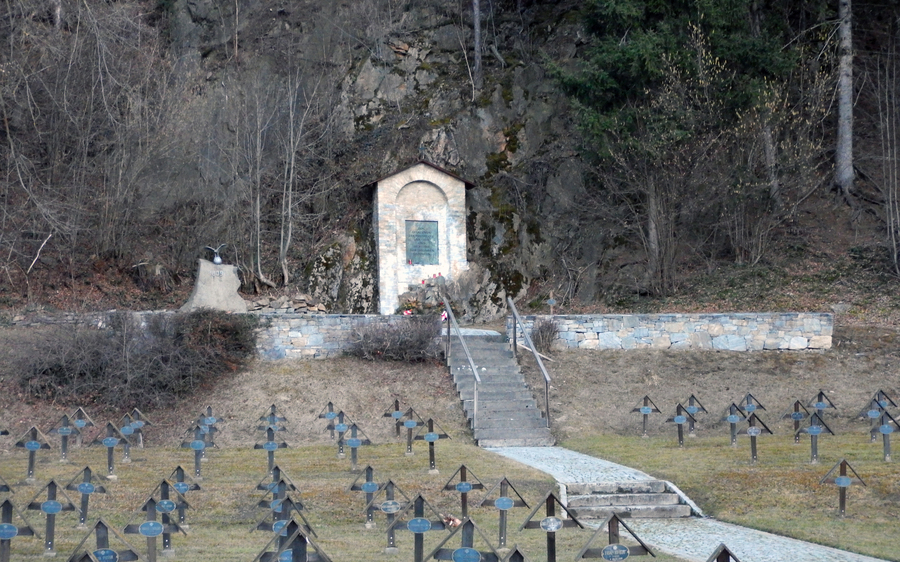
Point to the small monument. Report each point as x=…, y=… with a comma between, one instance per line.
x=420, y=225
x=216, y=288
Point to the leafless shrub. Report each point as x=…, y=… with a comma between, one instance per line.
x=133, y=365
x=409, y=339
x=544, y=333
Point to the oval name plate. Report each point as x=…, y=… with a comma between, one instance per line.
x=466, y=554
x=106, y=555
x=287, y=555
x=65, y=430
x=750, y=407
x=126, y=430
x=86, y=488
x=797, y=416
x=51, y=507
x=8, y=531
x=814, y=429
x=820, y=405
x=431, y=437
x=397, y=414
x=210, y=420
x=463, y=487
x=843, y=481
x=165, y=506
x=886, y=429
x=279, y=527
x=874, y=414
x=270, y=446
x=390, y=506
x=754, y=431
x=733, y=418
x=198, y=444
x=409, y=424
x=692, y=410
x=330, y=415
x=614, y=552
x=181, y=487
x=679, y=419
x=369, y=487
x=137, y=424
x=80, y=423
x=646, y=410
x=504, y=503
x=110, y=442
x=418, y=525
x=551, y=524
x=354, y=443
x=33, y=445
x=341, y=427
x=150, y=528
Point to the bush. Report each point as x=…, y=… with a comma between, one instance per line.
x=543, y=334
x=411, y=339
x=133, y=365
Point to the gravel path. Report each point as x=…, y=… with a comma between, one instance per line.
x=691, y=538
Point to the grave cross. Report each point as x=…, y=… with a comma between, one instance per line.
x=198, y=444
x=693, y=407
x=735, y=416
x=339, y=423
x=430, y=437
x=464, y=487
x=843, y=481
x=755, y=429
x=369, y=487
x=885, y=429
x=646, y=408
x=86, y=487
x=170, y=500
x=293, y=540
x=466, y=552
x=113, y=437
x=270, y=446
x=816, y=428
x=50, y=507
x=419, y=524
x=750, y=404
x=138, y=422
x=273, y=420
x=207, y=422
x=797, y=413
x=32, y=441
x=9, y=531
x=103, y=552
x=279, y=484
x=151, y=528
x=679, y=419
x=412, y=421
x=613, y=549
x=390, y=506
x=503, y=504
x=550, y=523
x=879, y=403
x=330, y=415
x=820, y=402
x=354, y=442
x=395, y=414
x=64, y=430
x=182, y=487
x=81, y=420
x=282, y=510
x=722, y=554
x=131, y=428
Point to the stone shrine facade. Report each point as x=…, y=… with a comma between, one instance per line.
x=420, y=226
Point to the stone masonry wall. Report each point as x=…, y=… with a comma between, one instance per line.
x=732, y=332
x=308, y=336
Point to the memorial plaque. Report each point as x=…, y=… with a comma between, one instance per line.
x=64, y=431
x=814, y=429
x=182, y=487
x=330, y=415
x=750, y=407
x=422, y=242
x=733, y=418
x=691, y=410
x=198, y=445
x=341, y=427
x=886, y=429
x=51, y=507
x=165, y=506
x=390, y=506
x=431, y=437
x=150, y=528
x=419, y=525
x=503, y=503
x=106, y=555
x=646, y=410
x=8, y=531
x=279, y=527
x=797, y=416
x=287, y=555
x=874, y=414
x=269, y=446
x=33, y=446
x=614, y=552
x=397, y=414
x=137, y=424
x=369, y=487
x=110, y=442
x=354, y=443
x=80, y=424
x=126, y=430
x=820, y=405
x=843, y=481
x=409, y=424
x=551, y=524
x=464, y=487
x=86, y=488
x=754, y=431
x=680, y=420
x=466, y=554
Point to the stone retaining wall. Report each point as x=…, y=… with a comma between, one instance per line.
x=311, y=336
x=732, y=332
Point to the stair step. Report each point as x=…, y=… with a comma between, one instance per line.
x=633, y=511
x=500, y=405
x=487, y=395
x=631, y=487
x=504, y=433
x=547, y=441
x=605, y=500
x=507, y=423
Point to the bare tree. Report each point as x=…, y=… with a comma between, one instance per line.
x=478, y=76
x=843, y=157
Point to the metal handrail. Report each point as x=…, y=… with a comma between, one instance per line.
x=517, y=320
x=477, y=380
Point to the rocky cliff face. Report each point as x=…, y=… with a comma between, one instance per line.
x=395, y=85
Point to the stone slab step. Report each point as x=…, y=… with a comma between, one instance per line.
x=505, y=433
x=500, y=405
x=491, y=381
x=488, y=394
x=633, y=487
x=547, y=441
x=510, y=423
x=634, y=511
x=603, y=500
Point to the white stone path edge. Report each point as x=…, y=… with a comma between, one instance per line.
x=690, y=538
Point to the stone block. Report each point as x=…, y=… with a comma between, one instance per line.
x=607, y=340
x=729, y=342
x=701, y=340
x=798, y=342
x=820, y=342
x=662, y=342
x=715, y=330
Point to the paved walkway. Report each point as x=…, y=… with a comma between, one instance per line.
x=691, y=538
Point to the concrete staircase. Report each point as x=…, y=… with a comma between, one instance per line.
x=636, y=499
x=508, y=415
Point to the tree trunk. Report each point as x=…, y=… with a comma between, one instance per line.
x=476, y=72
x=843, y=157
